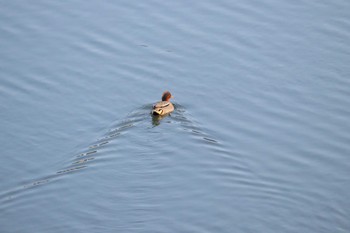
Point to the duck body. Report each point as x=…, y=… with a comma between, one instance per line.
x=163, y=107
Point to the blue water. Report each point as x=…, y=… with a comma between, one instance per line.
x=258, y=141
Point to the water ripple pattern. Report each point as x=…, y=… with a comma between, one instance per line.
x=259, y=140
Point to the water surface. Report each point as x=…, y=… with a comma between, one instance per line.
x=258, y=142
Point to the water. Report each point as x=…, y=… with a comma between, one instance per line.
x=259, y=140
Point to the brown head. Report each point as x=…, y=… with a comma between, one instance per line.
x=166, y=96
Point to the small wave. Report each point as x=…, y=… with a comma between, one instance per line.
x=137, y=117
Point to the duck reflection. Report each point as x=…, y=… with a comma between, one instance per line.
x=157, y=118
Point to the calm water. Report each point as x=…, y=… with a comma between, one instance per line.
x=259, y=140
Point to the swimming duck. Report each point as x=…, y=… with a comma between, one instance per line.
x=163, y=107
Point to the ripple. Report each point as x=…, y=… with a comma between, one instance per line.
x=85, y=159
x=259, y=138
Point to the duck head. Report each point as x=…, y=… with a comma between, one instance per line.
x=166, y=96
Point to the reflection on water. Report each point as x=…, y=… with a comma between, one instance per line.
x=156, y=119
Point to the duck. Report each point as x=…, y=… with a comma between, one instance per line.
x=164, y=106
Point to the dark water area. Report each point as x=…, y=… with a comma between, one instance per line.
x=258, y=141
